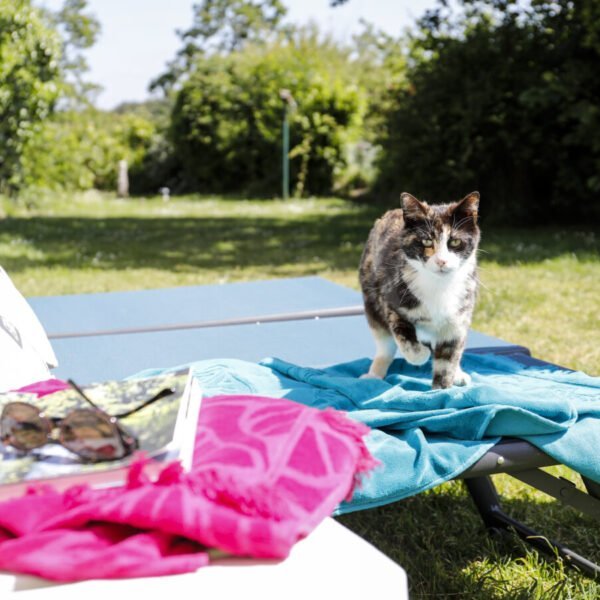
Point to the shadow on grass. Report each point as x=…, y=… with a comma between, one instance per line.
x=440, y=541
x=223, y=243
x=165, y=243
x=521, y=246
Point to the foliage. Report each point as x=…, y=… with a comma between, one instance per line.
x=156, y=167
x=80, y=150
x=79, y=30
x=229, y=24
x=222, y=26
x=153, y=165
x=496, y=95
x=378, y=64
x=226, y=122
x=29, y=82
x=41, y=65
x=504, y=98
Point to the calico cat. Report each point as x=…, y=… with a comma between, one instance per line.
x=418, y=274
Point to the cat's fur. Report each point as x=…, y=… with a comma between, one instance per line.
x=418, y=275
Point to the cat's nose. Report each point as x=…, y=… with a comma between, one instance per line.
x=440, y=262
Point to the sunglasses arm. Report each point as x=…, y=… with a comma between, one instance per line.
x=161, y=394
x=158, y=396
x=82, y=394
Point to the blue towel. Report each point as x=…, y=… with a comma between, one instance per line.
x=423, y=437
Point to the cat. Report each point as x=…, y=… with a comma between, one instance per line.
x=418, y=275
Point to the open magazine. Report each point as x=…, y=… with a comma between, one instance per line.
x=165, y=431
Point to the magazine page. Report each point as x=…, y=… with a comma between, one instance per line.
x=154, y=426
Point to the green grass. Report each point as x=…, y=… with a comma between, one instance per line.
x=540, y=288
x=91, y=242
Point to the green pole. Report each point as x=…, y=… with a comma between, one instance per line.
x=286, y=152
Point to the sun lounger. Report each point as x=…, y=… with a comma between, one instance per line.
x=306, y=321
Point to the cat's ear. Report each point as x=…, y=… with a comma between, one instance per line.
x=467, y=208
x=412, y=207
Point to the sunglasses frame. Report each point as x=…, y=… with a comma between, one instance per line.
x=128, y=441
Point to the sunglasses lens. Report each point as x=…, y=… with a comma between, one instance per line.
x=91, y=435
x=22, y=426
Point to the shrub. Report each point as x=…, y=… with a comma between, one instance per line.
x=29, y=82
x=80, y=150
x=503, y=98
x=227, y=118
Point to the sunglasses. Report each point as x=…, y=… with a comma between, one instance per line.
x=91, y=433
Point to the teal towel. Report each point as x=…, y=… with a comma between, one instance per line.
x=423, y=437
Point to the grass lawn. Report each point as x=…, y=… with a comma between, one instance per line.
x=540, y=288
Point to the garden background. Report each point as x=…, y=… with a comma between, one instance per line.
x=494, y=95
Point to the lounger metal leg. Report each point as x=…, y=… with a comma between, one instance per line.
x=562, y=489
x=487, y=501
x=592, y=487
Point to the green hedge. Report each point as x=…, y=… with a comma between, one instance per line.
x=506, y=100
x=226, y=124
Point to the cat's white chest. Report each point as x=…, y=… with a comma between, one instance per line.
x=441, y=299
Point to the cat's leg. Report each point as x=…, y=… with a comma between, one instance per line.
x=446, y=364
x=406, y=339
x=385, y=347
x=385, y=350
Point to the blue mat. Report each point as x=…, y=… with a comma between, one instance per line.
x=423, y=437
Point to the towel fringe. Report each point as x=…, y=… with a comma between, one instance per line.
x=339, y=421
x=253, y=500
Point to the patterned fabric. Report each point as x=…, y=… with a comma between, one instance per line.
x=265, y=472
x=24, y=347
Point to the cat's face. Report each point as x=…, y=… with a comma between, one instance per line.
x=440, y=238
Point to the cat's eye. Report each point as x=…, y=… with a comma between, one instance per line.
x=454, y=243
x=427, y=243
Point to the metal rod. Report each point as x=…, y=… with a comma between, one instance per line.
x=285, y=154
x=323, y=313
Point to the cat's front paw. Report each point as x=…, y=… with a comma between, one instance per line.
x=370, y=376
x=461, y=378
x=416, y=354
x=443, y=380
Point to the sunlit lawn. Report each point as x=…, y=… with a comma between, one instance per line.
x=540, y=289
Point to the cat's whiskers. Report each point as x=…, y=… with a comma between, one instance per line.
x=479, y=281
x=461, y=222
x=484, y=286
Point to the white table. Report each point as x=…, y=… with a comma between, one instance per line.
x=331, y=563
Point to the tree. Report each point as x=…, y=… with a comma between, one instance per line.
x=30, y=54
x=222, y=26
x=79, y=31
x=503, y=97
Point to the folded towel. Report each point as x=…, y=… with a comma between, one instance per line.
x=265, y=472
x=423, y=437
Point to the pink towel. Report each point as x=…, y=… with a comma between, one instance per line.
x=265, y=472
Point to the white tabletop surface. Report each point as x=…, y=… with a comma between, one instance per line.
x=332, y=562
